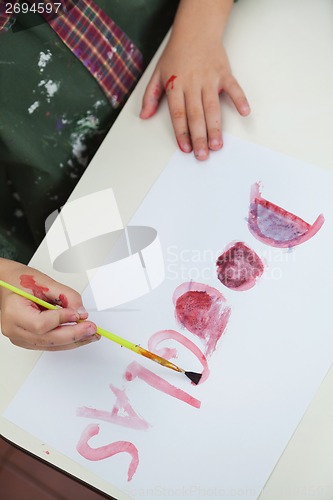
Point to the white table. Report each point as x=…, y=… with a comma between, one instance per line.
x=281, y=52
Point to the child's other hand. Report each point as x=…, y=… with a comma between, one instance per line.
x=193, y=70
x=29, y=326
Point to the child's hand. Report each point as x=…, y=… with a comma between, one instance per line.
x=193, y=70
x=27, y=325
x=192, y=79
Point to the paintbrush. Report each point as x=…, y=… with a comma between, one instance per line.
x=194, y=377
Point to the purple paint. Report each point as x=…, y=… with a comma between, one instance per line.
x=203, y=311
x=275, y=226
x=239, y=267
x=59, y=124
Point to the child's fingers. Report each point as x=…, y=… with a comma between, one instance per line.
x=212, y=109
x=36, y=321
x=177, y=109
x=22, y=312
x=197, y=123
x=60, y=337
x=64, y=347
x=44, y=287
x=236, y=93
x=41, y=322
x=152, y=96
x=73, y=300
x=68, y=347
x=26, y=325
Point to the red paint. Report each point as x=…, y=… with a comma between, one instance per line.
x=239, y=267
x=169, y=353
x=202, y=310
x=116, y=416
x=46, y=452
x=275, y=226
x=136, y=370
x=107, y=451
x=63, y=299
x=27, y=281
x=170, y=83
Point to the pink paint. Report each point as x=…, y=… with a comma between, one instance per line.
x=136, y=370
x=131, y=419
x=170, y=353
x=239, y=267
x=107, y=451
x=27, y=281
x=203, y=311
x=170, y=83
x=275, y=226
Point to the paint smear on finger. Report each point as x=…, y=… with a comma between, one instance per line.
x=28, y=281
x=170, y=83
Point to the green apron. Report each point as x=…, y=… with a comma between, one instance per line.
x=54, y=116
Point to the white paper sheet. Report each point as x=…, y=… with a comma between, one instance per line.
x=276, y=350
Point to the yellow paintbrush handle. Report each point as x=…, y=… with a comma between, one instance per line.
x=28, y=296
x=138, y=349
x=194, y=377
x=111, y=336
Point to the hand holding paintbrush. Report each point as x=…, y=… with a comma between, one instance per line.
x=69, y=316
x=28, y=326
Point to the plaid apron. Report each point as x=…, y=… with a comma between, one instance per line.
x=104, y=49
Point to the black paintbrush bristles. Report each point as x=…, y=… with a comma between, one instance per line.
x=195, y=377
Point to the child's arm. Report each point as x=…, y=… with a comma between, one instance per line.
x=193, y=70
x=26, y=325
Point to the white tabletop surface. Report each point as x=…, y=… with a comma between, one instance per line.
x=282, y=54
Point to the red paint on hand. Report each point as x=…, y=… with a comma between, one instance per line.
x=170, y=83
x=63, y=300
x=27, y=281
